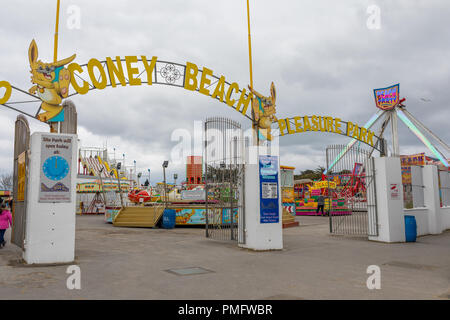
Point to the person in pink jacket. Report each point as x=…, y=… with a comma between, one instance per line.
x=5, y=222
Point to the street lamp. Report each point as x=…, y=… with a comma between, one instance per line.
x=139, y=178
x=164, y=165
x=119, y=165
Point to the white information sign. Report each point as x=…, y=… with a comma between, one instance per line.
x=269, y=190
x=394, y=191
x=55, y=176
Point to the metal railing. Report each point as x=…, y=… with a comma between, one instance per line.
x=355, y=189
x=224, y=171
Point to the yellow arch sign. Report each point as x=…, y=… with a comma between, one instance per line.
x=300, y=124
x=136, y=71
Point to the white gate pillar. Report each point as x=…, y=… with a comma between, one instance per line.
x=389, y=198
x=260, y=235
x=51, y=198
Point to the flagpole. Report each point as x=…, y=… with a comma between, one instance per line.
x=55, y=53
x=249, y=45
x=255, y=127
x=55, y=125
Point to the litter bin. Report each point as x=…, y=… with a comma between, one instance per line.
x=168, y=219
x=410, y=229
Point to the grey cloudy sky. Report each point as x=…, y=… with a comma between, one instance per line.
x=319, y=53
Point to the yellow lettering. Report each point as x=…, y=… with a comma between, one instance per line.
x=190, y=75
x=205, y=81
x=290, y=131
x=220, y=89
x=298, y=124
x=320, y=124
x=7, y=95
x=349, y=128
x=132, y=71
x=244, y=101
x=282, y=126
x=115, y=71
x=98, y=84
x=362, y=135
x=76, y=67
x=149, y=68
x=369, y=139
x=315, y=123
x=306, y=123
x=330, y=124
x=337, y=125
x=234, y=86
x=355, y=131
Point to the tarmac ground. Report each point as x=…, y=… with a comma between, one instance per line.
x=139, y=263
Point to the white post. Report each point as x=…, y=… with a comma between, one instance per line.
x=389, y=194
x=431, y=199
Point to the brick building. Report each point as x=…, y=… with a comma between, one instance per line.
x=194, y=170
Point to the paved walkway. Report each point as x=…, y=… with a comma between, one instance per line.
x=129, y=263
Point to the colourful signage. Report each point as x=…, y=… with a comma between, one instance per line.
x=413, y=160
x=407, y=162
x=324, y=184
x=21, y=176
x=93, y=187
x=387, y=98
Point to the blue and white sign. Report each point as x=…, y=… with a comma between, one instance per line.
x=268, y=186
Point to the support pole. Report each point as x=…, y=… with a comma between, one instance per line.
x=254, y=125
x=422, y=126
x=422, y=138
x=120, y=189
x=394, y=128
x=165, y=188
x=55, y=52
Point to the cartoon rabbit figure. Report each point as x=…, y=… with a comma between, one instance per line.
x=264, y=109
x=52, y=82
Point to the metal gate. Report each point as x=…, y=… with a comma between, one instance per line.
x=224, y=179
x=355, y=192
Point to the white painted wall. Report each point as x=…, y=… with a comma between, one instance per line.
x=445, y=187
x=445, y=217
x=421, y=215
x=432, y=218
x=259, y=236
x=417, y=186
x=431, y=199
x=50, y=227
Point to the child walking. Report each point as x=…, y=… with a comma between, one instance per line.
x=5, y=223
